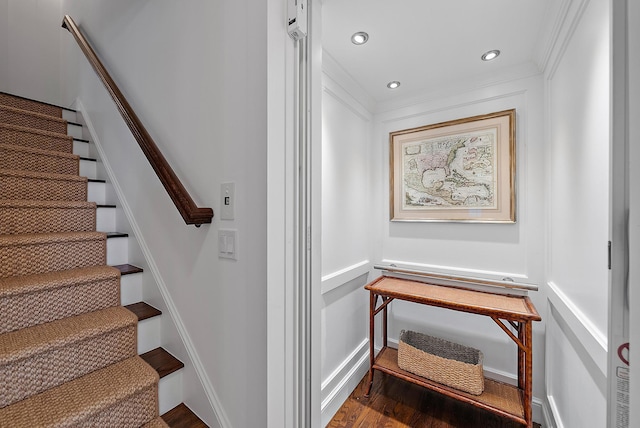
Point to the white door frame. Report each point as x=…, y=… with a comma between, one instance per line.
x=281, y=406
x=293, y=222
x=633, y=163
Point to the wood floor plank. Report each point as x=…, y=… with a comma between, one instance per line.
x=395, y=403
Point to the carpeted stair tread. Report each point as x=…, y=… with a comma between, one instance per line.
x=44, y=356
x=18, y=102
x=38, y=160
x=26, y=342
x=122, y=395
x=29, y=137
x=16, y=184
x=30, y=216
x=28, y=119
x=30, y=300
x=156, y=423
x=30, y=254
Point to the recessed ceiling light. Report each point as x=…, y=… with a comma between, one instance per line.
x=393, y=85
x=488, y=56
x=359, y=38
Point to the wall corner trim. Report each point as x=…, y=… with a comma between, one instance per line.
x=212, y=396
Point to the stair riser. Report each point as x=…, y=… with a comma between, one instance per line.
x=51, y=257
x=170, y=391
x=25, y=138
x=37, y=373
x=37, y=162
x=12, y=187
x=131, y=289
x=26, y=120
x=46, y=220
x=69, y=115
x=88, y=168
x=48, y=304
x=80, y=148
x=149, y=332
x=117, y=251
x=97, y=192
x=74, y=130
x=106, y=219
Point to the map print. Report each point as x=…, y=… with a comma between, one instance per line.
x=451, y=172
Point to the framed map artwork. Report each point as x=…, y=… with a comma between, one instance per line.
x=462, y=170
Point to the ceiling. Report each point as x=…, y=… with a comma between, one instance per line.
x=429, y=44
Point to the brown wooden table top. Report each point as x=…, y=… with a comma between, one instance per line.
x=515, y=308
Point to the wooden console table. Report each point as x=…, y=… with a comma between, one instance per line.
x=513, y=402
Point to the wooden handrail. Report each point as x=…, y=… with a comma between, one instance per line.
x=190, y=212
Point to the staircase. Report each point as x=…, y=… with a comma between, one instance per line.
x=68, y=346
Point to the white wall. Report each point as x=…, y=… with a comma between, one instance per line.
x=577, y=87
x=346, y=242
x=483, y=250
x=29, y=47
x=199, y=85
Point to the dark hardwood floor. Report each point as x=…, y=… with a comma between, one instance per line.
x=395, y=403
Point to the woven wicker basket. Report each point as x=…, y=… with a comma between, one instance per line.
x=441, y=361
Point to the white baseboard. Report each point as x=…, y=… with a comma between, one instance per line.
x=341, y=383
x=552, y=416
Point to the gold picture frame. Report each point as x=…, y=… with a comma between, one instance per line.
x=457, y=171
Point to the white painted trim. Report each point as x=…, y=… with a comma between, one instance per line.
x=337, y=387
x=281, y=364
x=560, y=13
x=633, y=27
x=398, y=114
x=342, y=99
x=212, y=396
x=336, y=73
x=554, y=414
x=562, y=40
x=594, y=341
x=547, y=420
x=343, y=276
x=460, y=271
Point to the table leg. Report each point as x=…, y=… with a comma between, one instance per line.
x=521, y=356
x=528, y=372
x=372, y=332
x=384, y=325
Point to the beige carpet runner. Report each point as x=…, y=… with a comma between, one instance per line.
x=67, y=347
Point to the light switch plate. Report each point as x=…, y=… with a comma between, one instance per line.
x=228, y=244
x=227, y=201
